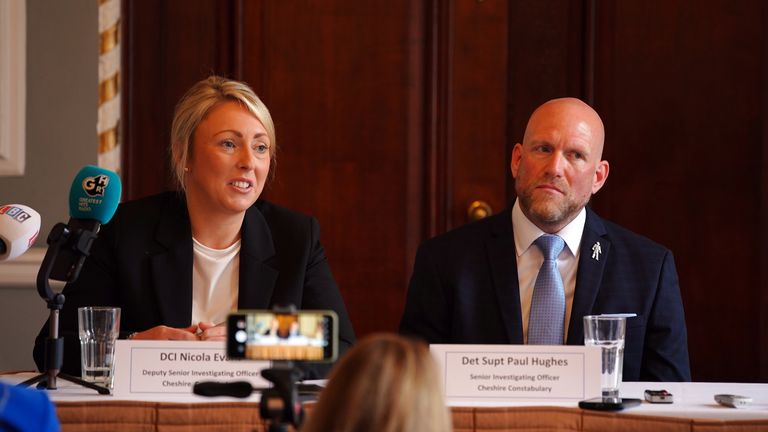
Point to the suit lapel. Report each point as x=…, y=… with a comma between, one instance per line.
x=589, y=275
x=502, y=257
x=171, y=264
x=257, y=279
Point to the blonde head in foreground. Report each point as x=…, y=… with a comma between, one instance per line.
x=385, y=383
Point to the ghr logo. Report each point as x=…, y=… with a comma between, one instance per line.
x=95, y=186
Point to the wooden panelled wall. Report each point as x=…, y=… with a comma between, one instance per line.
x=393, y=115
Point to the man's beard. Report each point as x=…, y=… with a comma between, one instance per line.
x=549, y=212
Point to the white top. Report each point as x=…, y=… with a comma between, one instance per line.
x=215, y=279
x=530, y=258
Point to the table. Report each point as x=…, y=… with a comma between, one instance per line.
x=692, y=400
x=80, y=409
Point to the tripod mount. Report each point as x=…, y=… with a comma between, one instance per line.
x=280, y=404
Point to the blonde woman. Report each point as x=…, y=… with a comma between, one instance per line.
x=178, y=262
x=385, y=383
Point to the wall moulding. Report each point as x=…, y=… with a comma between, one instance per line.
x=13, y=47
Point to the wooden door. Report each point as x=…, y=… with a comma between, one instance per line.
x=345, y=81
x=388, y=114
x=681, y=86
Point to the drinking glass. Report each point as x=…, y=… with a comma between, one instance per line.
x=607, y=332
x=99, y=328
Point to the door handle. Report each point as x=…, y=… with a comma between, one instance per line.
x=478, y=209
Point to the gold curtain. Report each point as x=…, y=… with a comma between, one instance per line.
x=109, y=85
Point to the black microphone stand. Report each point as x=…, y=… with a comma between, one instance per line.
x=79, y=242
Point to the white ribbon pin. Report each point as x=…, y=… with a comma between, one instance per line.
x=596, y=251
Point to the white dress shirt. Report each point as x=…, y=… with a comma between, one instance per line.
x=530, y=258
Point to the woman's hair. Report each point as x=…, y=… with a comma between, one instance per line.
x=385, y=383
x=197, y=103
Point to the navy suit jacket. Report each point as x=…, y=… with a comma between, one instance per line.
x=464, y=290
x=142, y=262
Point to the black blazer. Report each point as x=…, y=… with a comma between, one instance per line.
x=142, y=262
x=464, y=290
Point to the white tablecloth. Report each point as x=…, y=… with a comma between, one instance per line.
x=692, y=400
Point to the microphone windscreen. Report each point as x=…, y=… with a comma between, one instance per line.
x=95, y=194
x=19, y=227
x=239, y=389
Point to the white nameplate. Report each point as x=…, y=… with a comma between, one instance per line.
x=152, y=367
x=519, y=372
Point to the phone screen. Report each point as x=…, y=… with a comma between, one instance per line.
x=297, y=336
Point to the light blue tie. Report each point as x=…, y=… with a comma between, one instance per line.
x=545, y=326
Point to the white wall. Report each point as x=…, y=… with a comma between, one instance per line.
x=62, y=104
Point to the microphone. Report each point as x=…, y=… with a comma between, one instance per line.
x=94, y=196
x=19, y=227
x=93, y=199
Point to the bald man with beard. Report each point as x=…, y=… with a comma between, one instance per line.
x=475, y=284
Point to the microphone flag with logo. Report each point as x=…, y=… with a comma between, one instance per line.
x=95, y=194
x=93, y=199
x=19, y=227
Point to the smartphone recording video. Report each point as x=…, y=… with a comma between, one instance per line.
x=295, y=336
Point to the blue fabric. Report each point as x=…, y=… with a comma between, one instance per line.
x=26, y=410
x=545, y=326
